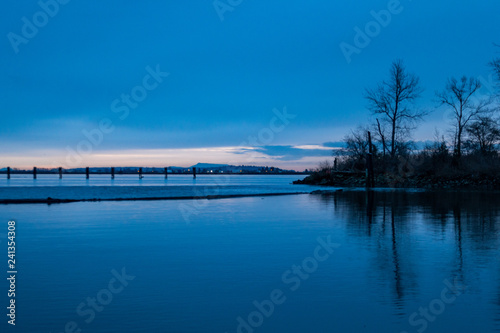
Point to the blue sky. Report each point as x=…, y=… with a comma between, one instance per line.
x=227, y=79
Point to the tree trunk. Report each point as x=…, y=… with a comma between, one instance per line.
x=459, y=132
x=459, y=142
x=393, y=139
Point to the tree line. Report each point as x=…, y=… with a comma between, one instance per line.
x=470, y=144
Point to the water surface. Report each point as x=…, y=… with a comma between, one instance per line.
x=397, y=254
x=130, y=186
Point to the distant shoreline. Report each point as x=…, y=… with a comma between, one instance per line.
x=41, y=172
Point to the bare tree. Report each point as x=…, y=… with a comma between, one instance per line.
x=356, y=146
x=393, y=100
x=458, y=96
x=483, y=134
x=325, y=166
x=495, y=64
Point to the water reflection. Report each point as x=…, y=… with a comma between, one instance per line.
x=418, y=238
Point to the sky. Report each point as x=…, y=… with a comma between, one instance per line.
x=174, y=83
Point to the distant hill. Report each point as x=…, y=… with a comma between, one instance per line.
x=209, y=166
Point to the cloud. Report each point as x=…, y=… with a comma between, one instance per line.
x=290, y=153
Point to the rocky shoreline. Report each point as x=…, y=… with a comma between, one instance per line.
x=345, y=179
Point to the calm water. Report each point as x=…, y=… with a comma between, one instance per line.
x=148, y=180
x=392, y=266
x=130, y=186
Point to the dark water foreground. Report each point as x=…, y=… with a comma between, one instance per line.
x=345, y=262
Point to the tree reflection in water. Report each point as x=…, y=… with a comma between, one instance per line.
x=411, y=234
